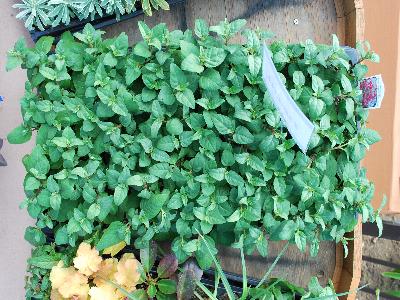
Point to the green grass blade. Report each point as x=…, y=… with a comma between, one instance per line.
x=275, y=283
x=122, y=290
x=244, y=272
x=268, y=273
x=225, y=281
x=198, y=295
x=216, y=283
x=378, y=294
x=392, y=274
x=206, y=291
x=337, y=295
x=393, y=293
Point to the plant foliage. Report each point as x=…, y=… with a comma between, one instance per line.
x=178, y=135
x=39, y=14
x=395, y=275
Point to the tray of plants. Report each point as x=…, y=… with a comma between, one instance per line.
x=53, y=17
x=175, y=138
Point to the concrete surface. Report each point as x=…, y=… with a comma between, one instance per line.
x=13, y=221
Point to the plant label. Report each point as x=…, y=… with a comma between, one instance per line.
x=352, y=54
x=373, y=90
x=297, y=123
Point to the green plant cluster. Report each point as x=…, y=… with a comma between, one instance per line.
x=43, y=258
x=39, y=14
x=178, y=136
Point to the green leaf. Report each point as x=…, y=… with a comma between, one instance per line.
x=316, y=107
x=213, y=56
x=201, y=28
x=142, y=49
x=44, y=44
x=217, y=174
x=210, y=79
x=167, y=286
x=317, y=84
x=174, y=127
x=371, y=136
x=360, y=71
x=254, y=64
x=202, y=255
x=301, y=240
x=93, y=211
x=152, y=206
x=284, y=232
x=298, y=78
x=13, y=61
x=34, y=236
x=346, y=84
x=186, y=98
x=234, y=178
x=177, y=77
x=44, y=261
x=211, y=142
x=111, y=236
x=191, y=63
x=55, y=201
x=47, y=72
x=120, y=194
x=243, y=136
x=110, y=60
x=224, y=124
x=19, y=135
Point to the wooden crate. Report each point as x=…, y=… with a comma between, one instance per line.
x=292, y=21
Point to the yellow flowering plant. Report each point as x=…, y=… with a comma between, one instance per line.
x=93, y=277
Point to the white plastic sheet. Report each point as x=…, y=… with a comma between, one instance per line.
x=298, y=125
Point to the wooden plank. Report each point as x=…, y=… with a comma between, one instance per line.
x=174, y=18
x=314, y=19
x=351, y=270
x=295, y=266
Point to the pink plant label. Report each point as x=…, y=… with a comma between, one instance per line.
x=373, y=90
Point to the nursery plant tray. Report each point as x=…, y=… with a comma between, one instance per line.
x=291, y=21
x=98, y=22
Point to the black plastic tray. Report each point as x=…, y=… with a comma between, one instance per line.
x=98, y=22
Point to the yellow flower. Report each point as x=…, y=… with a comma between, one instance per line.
x=127, y=274
x=103, y=292
x=108, y=268
x=87, y=259
x=55, y=295
x=68, y=282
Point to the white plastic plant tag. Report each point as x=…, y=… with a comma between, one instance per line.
x=352, y=54
x=298, y=125
x=373, y=90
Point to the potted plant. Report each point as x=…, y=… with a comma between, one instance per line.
x=177, y=138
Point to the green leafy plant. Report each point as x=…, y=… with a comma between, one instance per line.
x=160, y=284
x=178, y=134
x=43, y=13
x=267, y=288
x=43, y=258
x=34, y=12
x=395, y=274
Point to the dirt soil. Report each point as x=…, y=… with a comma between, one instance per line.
x=382, y=249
